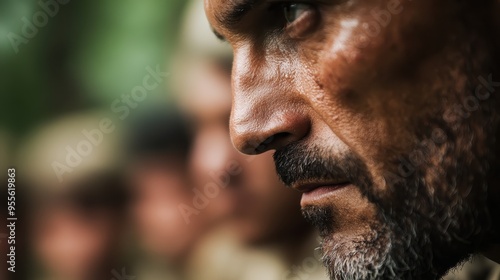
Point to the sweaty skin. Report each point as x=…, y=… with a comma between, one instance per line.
x=399, y=95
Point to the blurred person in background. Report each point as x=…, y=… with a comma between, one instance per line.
x=77, y=198
x=262, y=236
x=159, y=144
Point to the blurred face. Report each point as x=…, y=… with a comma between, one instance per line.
x=382, y=114
x=259, y=207
x=158, y=190
x=73, y=243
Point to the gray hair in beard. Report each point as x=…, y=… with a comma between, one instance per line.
x=418, y=233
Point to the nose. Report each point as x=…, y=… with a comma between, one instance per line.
x=266, y=113
x=253, y=134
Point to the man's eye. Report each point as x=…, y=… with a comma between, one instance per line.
x=299, y=18
x=294, y=11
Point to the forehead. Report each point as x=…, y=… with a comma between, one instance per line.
x=212, y=9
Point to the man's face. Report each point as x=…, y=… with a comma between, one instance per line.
x=380, y=112
x=160, y=185
x=73, y=243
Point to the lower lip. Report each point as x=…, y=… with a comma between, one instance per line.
x=318, y=194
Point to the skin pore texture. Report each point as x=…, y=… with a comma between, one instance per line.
x=390, y=108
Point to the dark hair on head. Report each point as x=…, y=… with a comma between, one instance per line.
x=103, y=190
x=99, y=190
x=161, y=131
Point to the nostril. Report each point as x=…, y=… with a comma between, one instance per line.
x=256, y=146
x=266, y=145
x=258, y=136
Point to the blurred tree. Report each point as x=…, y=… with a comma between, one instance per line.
x=89, y=53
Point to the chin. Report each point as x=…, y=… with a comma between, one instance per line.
x=362, y=255
x=384, y=248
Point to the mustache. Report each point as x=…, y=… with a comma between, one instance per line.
x=297, y=162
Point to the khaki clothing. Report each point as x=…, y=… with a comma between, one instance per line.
x=222, y=257
x=478, y=267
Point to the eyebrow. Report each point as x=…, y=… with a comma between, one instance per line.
x=236, y=10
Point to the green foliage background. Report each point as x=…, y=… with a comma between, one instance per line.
x=87, y=55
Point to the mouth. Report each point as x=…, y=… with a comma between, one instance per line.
x=314, y=193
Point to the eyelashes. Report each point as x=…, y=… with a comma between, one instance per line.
x=297, y=19
x=293, y=11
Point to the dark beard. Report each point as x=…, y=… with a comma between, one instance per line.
x=426, y=222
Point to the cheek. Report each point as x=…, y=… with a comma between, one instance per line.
x=342, y=88
x=335, y=89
